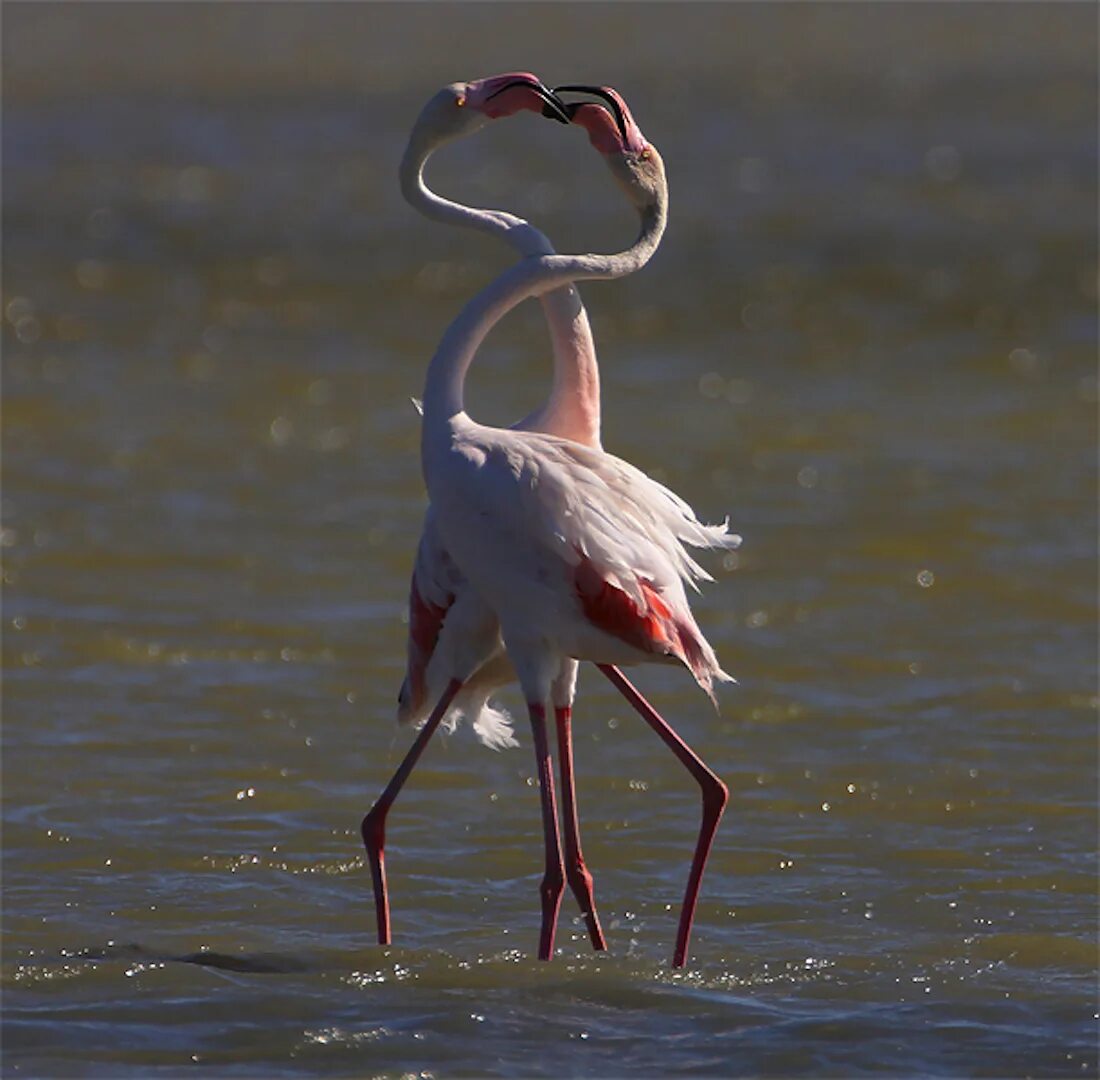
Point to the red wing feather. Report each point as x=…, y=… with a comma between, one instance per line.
x=610, y=609
x=425, y=622
x=653, y=629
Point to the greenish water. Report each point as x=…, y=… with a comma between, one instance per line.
x=870, y=337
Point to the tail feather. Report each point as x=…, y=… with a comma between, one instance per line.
x=493, y=727
x=701, y=660
x=491, y=724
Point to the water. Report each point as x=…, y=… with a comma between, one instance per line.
x=869, y=336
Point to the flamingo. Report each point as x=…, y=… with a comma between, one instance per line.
x=442, y=607
x=572, y=409
x=578, y=554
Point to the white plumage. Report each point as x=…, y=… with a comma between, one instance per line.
x=468, y=635
x=526, y=513
x=447, y=625
x=564, y=551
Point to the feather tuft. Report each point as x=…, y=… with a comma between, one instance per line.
x=493, y=727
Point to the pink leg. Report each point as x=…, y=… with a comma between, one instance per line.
x=374, y=824
x=554, y=879
x=715, y=797
x=580, y=880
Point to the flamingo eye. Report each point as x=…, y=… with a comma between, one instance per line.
x=645, y=154
x=460, y=101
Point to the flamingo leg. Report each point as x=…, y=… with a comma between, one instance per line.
x=553, y=881
x=374, y=824
x=576, y=872
x=715, y=797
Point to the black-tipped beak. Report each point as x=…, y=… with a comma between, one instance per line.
x=604, y=96
x=557, y=110
x=553, y=107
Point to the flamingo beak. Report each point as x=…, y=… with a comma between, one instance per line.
x=611, y=100
x=553, y=107
x=559, y=111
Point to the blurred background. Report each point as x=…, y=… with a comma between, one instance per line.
x=869, y=336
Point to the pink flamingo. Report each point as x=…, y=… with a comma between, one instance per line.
x=443, y=609
x=578, y=554
x=572, y=409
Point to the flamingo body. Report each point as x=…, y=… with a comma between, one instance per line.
x=452, y=630
x=579, y=553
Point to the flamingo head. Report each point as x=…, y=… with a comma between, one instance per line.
x=464, y=107
x=611, y=128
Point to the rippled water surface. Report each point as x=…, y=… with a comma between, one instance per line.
x=869, y=337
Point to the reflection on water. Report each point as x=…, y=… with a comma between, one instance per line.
x=869, y=336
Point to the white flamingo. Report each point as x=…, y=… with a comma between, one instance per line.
x=572, y=410
x=443, y=608
x=580, y=555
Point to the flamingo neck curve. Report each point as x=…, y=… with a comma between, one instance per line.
x=532, y=276
x=573, y=408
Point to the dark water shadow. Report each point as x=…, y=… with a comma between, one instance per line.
x=260, y=963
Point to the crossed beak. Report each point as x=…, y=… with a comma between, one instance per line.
x=553, y=107
x=606, y=96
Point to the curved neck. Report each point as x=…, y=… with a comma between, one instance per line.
x=513, y=230
x=573, y=408
x=533, y=276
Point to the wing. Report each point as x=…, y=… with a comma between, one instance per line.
x=583, y=504
x=435, y=583
x=609, y=541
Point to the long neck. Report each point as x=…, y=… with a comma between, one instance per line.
x=515, y=231
x=573, y=408
x=534, y=276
